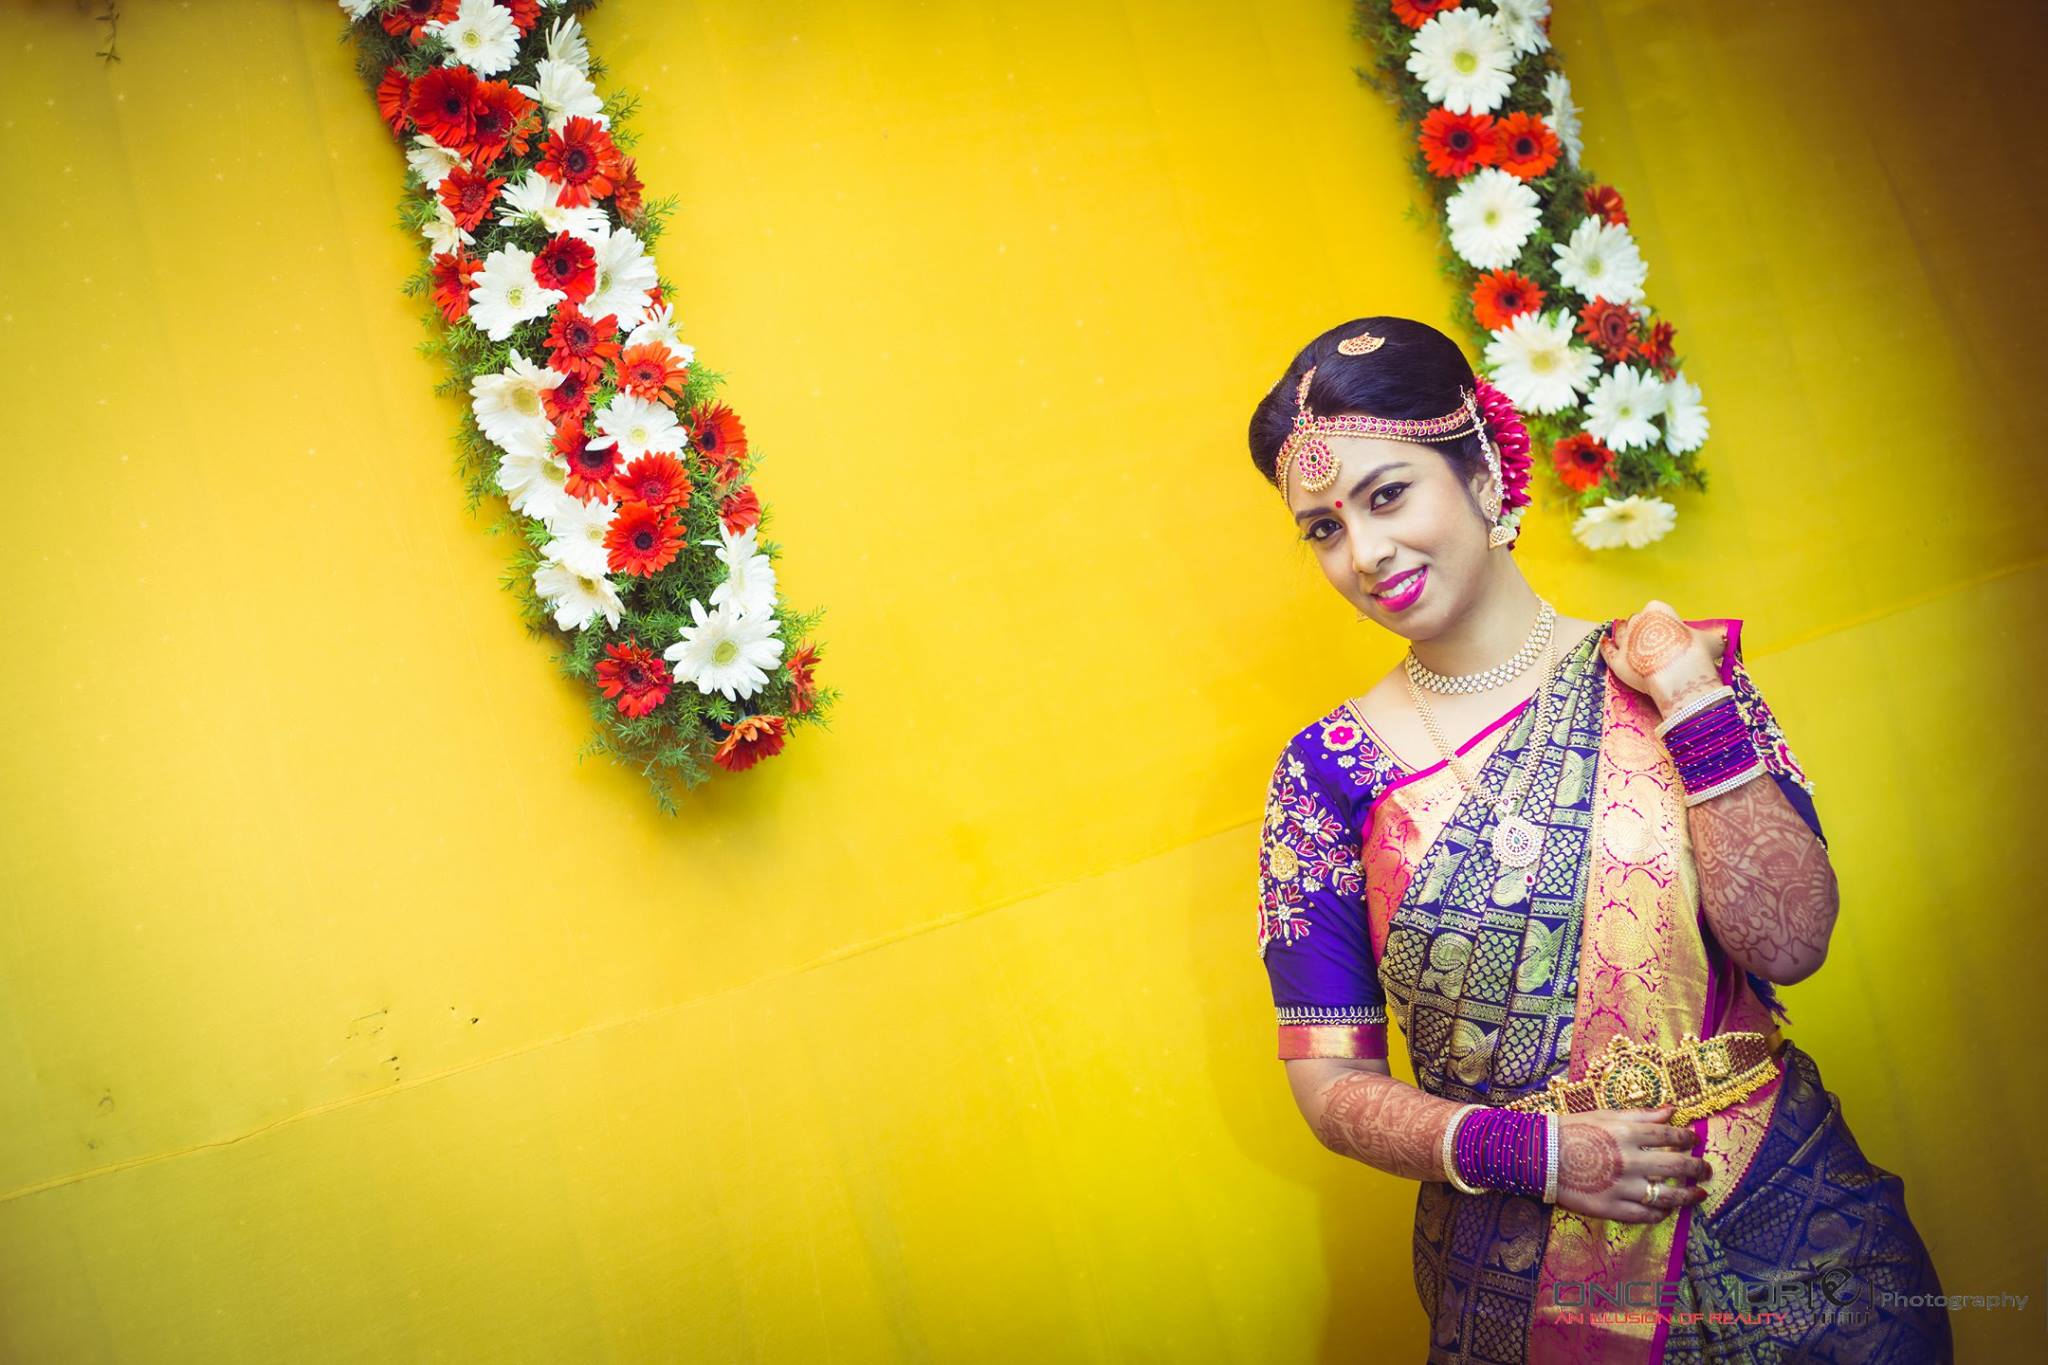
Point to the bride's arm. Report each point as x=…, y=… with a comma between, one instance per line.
x=1766, y=883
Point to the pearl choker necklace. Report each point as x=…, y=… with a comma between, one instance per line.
x=1531, y=650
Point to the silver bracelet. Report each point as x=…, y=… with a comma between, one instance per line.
x=1450, y=1161
x=1550, y=1164
x=1694, y=707
x=1749, y=774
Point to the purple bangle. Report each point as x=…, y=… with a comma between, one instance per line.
x=1501, y=1149
x=1712, y=748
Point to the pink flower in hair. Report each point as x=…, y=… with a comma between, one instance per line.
x=1511, y=440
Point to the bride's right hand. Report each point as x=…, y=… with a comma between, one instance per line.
x=1608, y=1157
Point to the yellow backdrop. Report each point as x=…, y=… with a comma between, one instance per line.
x=347, y=1016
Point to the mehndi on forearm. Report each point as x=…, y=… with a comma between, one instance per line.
x=1766, y=883
x=1385, y=1123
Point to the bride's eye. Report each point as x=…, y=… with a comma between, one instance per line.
x=1316, y=526
x=1390, y=488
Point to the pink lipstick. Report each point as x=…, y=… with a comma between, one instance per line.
x=1404, y=591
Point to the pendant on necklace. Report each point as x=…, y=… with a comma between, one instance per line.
x=1516, y=841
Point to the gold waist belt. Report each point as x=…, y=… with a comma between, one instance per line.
x=1699, y=1076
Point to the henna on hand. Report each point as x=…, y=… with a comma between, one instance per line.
x=1654, y=641
x=1766, y=883
x=1385, y=1123
x=1588, y=1159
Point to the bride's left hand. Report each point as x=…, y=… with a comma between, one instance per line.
x=1661, y=656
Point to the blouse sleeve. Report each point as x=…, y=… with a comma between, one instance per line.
x=1768, y=736
x=1312, y=933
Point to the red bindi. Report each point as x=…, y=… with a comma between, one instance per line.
x=1340, y=502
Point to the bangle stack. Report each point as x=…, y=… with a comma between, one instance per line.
x=1501, y=1149
x=1710, y=743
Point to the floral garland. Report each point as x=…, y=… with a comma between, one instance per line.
x=1550, y=279
x=587, y=413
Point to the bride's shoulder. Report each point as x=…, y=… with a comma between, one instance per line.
x=1338, y=749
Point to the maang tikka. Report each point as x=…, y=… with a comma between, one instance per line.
x=1309, y=456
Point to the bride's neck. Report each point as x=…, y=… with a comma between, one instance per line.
x=1486, y=636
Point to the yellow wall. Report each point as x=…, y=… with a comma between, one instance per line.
x=343, y=1015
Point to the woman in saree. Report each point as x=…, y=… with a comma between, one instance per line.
x=1572, y=859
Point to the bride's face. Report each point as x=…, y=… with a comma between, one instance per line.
x=1397, y=507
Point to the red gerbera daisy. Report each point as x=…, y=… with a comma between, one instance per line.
x=567, y=263
x=593, y=461
x=1527, y=146
x=716, y=432
x=391, y=96
x=657, y=479
x=751, y=740
x=1654, y=349
x=570, y=398
x=801, y=689
x=503, y=119
x=652, y=371
x=409, y=18
x=468, y=195
x=1581, y=461
x=1605, y=201
x=626, y=194
x=439, y=103
x=1501, y=295
x=642, y=539
x=1416, y=13
x=634, y=676
x=452, y=275
x=740, y=510
x=1458, y=144
x=579, y=156
x=1610, y=327
x=524, y=13
x=580, y=344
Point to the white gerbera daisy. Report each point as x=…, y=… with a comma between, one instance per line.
x=564, y=92
x=657, y=322
x=576, y=597
x=504, y=293
x=566, y=45
x=536, y=195
x=640, y=425
x=725, y=652
x=1491, y=215
x=579, y=529
x=1521, y=23
x=356, y=9
x=1631, y=521
x=1463, y=61
x=535, y=481
x=749, y=586
x=509, y=404
x=430, y=161
x=443, y=233
x=1623, y=408
x=1685, y=418
x=625, y=272
x=1600, y=261
x=1536, y=363
x=1564, y=115
x=482, y=36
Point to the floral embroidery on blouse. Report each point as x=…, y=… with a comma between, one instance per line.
x=1306, y=845
x=1764, y=729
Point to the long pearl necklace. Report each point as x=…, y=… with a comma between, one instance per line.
x=1516, y=839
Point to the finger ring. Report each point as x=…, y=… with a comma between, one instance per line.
x=1649, y=1191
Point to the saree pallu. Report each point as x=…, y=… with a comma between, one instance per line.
x=1502, y=978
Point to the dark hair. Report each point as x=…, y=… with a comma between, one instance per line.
x=1416, y=373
